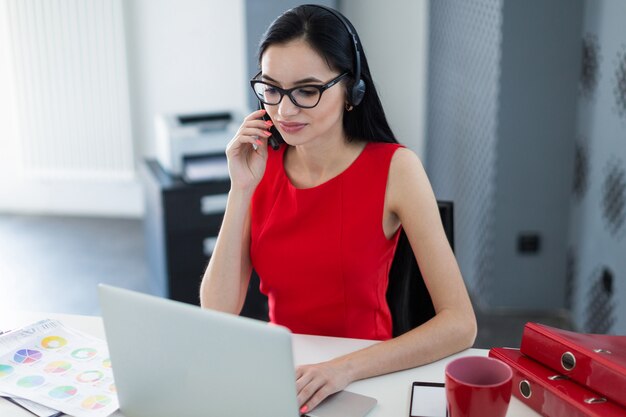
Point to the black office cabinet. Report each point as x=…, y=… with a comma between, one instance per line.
x=181, y=224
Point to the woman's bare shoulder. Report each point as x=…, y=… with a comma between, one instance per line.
x=408, y=185
x=405, y=166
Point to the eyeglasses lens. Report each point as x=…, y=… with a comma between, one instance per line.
x=303, y=97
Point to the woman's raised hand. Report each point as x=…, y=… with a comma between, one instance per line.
x=247, y=152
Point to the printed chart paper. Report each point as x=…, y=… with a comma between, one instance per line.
x=58, y=367
x=35, y=408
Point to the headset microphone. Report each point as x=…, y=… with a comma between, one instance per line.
x=275, y=140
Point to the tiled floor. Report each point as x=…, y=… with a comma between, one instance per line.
x=53, y=264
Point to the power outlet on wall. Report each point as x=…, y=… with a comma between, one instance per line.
x=529, y=243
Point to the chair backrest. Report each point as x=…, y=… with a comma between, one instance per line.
x=407, y=295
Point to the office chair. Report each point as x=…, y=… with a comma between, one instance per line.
x=407, y=296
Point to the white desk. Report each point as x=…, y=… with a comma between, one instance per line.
x=392, y=390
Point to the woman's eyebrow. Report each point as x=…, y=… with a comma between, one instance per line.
x=302, y=81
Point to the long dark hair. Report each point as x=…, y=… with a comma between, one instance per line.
x=328, y=36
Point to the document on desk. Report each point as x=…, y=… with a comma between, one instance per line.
x=58, y=367
x=37, y=409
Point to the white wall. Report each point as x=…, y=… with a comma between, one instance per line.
x=7, y=109
x=395, y=40
x=181, y=56
x=65, y=140
x=184, y=56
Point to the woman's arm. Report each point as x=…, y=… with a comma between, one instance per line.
x=410, y=201
x=226, y=278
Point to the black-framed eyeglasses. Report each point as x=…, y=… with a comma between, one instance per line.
x=304, y=96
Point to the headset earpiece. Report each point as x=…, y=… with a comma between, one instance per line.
x=356, y=93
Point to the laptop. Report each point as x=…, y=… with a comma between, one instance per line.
x=176, y=359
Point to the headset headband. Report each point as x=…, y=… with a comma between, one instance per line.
x=358, y=89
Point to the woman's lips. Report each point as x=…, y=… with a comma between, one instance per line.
x=291, y=127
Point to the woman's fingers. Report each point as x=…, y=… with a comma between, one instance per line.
x=316, y=382
x=252, y=132
x=247, y=151
x=256, y=140
x=319, y=396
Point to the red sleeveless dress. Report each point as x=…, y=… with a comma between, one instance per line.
x=321, y=252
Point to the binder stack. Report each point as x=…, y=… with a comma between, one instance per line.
x=559, y=373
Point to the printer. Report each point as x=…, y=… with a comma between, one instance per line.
x=183, y=140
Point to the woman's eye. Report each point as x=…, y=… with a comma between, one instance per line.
x=306, y=92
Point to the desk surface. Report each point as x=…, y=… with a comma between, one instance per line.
x=392, y=391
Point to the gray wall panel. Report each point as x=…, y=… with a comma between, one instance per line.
x=502, y=107
x=535, y=152
x=598, y=216
x=461, y=126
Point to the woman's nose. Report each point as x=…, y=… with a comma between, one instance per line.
x=287, y=108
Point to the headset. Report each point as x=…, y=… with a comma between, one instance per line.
x=356, y=93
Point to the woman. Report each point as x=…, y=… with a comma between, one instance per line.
x=319, y=218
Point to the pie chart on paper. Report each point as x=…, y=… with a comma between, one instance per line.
x=96, y=402
x=53, y=342
x=5, y=370
x=63, y=392
x=57, y=367
x=90, y=376
x=84, y=353
x=27, y=356
x=31, y=381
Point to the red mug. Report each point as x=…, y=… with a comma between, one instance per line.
x=478, y=386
